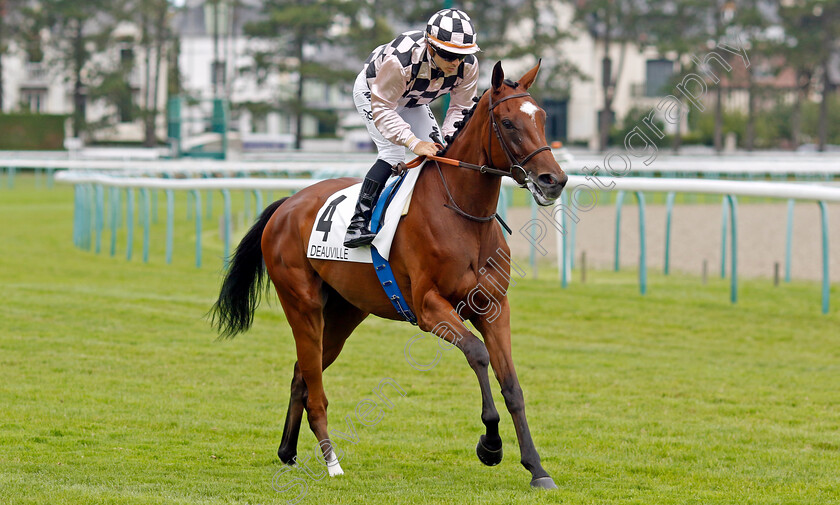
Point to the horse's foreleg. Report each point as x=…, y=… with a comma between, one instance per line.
x=438, y=317
x=497, y=338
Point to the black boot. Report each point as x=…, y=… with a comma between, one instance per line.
x=358, y=233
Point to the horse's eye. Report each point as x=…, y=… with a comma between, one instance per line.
x=507, y=124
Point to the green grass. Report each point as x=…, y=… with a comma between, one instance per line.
x=114, y=389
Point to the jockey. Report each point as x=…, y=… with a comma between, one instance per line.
x=393, y=92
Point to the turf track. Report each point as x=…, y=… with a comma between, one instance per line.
x=114, y=389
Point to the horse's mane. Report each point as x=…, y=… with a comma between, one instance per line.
x=461, y=124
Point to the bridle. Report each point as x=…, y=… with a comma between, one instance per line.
x=485, y=169
x=514, y=164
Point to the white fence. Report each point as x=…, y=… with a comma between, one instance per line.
x=90, y=208
x=810, y=166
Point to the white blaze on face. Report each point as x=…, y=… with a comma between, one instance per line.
x=530, y=109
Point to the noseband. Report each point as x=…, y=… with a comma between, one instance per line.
x=485, y=169
x=514, y=164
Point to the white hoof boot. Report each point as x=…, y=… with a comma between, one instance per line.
x=333, y=467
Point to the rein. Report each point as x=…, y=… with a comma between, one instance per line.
x=485, y=169
x=511, y=158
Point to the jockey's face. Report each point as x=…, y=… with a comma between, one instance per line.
x=448, y=67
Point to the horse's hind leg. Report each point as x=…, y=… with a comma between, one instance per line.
x=340, y=319
x=291, y=428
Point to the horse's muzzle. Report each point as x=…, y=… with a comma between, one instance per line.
x=551, y=185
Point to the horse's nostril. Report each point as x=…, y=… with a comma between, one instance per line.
x=564, y=180
x=548, y=180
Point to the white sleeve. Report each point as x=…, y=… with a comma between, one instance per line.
x=461, y=98
x=385, y=91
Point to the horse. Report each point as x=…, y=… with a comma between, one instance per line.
x=446, y=245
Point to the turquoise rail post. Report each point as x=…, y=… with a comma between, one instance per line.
x=572, y=237
x=247, y=198
x=197, y=197
x=80, y=212
x=227, y=223
x=91, y=216
x=50, y=177
x=114, y=202
x=189, y=206
x=564, y=246
x=533, y=253
x=77, y=215
x=619, y=200
x=147, y=211
x=669, y=210
x=85, y=217
x=258, y=203
x=170, y=223
x=129, y=221
x=155, y=206
x=120, y=210
x=733, y=218
x=789, y=239
x=36, y=172
x=826, y=284
x=100, y=216
x=11, y=177
x=501, y=205
x=724, y=216
x=642, y=246
x=208, y=205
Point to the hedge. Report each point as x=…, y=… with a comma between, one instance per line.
x=31, y=131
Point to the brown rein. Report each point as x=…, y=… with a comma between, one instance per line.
x=484, y=169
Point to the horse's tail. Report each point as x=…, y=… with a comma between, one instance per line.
x=233, y=312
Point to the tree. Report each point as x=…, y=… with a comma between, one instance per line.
x=528, y=30
x=4, y=9
x=611, y=22
x=299, y=29
x=681, y=27
x=153, y=17
x=811, y=29
x=20, y=22
x=77, y=29
x=752, y=20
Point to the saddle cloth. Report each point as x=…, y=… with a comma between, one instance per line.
x=326, y=242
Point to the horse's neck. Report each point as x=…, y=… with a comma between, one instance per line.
x=474, y=192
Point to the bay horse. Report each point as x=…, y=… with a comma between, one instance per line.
x=442, y=250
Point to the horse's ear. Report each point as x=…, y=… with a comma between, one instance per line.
x=530, y=76
x=498, y=76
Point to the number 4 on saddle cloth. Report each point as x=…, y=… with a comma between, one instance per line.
x=326, y=242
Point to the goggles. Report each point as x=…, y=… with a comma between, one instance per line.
x=447, y=56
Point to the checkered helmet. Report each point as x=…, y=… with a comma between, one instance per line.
x=452, y=31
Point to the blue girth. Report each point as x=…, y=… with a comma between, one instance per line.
x=380, y=264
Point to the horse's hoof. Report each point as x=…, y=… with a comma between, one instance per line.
x=286, y=457
x=488, y=456
x=544, y=483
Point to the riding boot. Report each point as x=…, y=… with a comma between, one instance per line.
x=358, y=232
